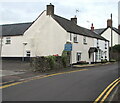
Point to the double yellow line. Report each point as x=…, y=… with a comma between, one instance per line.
x=103, y=96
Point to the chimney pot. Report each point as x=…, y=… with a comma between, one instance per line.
x=50, y=9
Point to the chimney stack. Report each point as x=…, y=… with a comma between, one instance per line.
x=119, y=27
x=50, y=9
x=109, y=23
x=74, y=20
x=92, y=27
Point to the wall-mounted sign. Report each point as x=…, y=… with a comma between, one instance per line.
x=68, y=47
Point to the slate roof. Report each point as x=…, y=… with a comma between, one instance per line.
x=68, y=25
x=14, y=29
x=71, y=27
x=100, y=31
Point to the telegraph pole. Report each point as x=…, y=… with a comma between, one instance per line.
x=111, y=32
x=111, y=38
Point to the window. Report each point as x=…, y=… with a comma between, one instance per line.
x=78, y=56
x=100, y=52
x=105, y=45
x=70, y=37
x=105, y=54
x=75, y=39
x=8, y=40
x=97, y=43
x=84, y=40
x=27, y=53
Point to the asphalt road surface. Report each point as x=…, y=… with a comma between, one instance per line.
x=76, y=86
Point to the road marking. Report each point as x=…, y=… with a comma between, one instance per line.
x=107, y=94
x=99, y=97
x=6, y=82
x=35, y=78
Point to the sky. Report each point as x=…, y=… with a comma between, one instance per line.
x=90, y=11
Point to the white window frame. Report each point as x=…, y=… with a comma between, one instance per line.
x=8, y=40
x=75, y=38
x=105, y=44
x=28, y=53
x=70, y=36
x=97, y=43
x=84, y=40
x=79, y=57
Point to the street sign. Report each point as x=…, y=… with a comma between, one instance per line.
x=68, y=47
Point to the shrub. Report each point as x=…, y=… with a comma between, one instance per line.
x=51, y=60
x=112, y=60
x=104, y=61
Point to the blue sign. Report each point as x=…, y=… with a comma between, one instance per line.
x=68, y=47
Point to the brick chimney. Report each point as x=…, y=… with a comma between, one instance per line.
x=119, y=27
x=50, y=9
x=74, y=20
x=109, y=23
x=92, y=27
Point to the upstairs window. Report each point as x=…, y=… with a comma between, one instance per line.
x=105, y=45
x=70, y=37
x=75, y=38
x=84, y=40
x=97, y=43
x=28, y=53
x=8, y=40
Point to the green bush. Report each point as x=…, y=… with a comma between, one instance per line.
x=116, y=48
x=112, y=60
x=104, y=61
x=51, y=60
x=65, y=58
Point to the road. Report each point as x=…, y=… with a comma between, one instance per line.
x=75, y=86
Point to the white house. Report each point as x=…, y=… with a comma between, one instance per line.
x=48, y=34
x=109, y=32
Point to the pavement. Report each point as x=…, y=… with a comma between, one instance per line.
x=83, y=85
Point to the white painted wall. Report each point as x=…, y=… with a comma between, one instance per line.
x=101, y=44
x=45, y=37
x=81, y=47
x=107, y=35
x=15, y=49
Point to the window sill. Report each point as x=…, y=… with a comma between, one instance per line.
x=75, y=41
x=85, y=43
x=7, y=43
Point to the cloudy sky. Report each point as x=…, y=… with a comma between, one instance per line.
x=90, y=11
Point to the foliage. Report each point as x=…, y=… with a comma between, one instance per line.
x=112, y=60
x=104, y=61
x=51, y=60
x=116, y=48
x=64, y=58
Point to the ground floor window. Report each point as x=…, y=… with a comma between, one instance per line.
x=27, y=53
x=78, y=56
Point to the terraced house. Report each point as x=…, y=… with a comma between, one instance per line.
x=48, y=34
